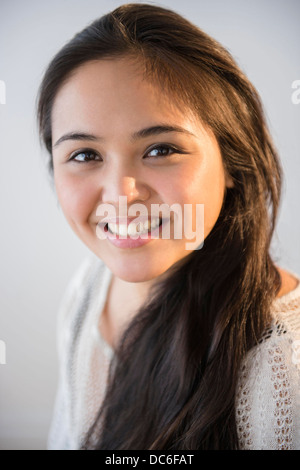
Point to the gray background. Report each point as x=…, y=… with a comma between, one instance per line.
x=38, y=251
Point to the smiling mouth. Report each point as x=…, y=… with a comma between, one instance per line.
x=133, y=228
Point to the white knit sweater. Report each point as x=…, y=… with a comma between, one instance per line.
x=268, y=394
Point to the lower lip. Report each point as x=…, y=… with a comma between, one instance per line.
x=131, y=242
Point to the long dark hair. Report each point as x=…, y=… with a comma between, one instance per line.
x=172, y=383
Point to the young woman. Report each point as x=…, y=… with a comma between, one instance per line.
x=161, y=346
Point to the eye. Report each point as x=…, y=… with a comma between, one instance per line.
x=85, y=156
x=161, y=151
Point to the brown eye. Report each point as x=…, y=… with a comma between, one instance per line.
x=85, y=156
x=161, y=151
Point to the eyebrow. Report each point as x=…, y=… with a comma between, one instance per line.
x=141, y=134
x=160, y=129
x=76, y=136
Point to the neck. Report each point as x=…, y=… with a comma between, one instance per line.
x=124, y=299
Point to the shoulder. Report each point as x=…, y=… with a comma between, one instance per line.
x=268, y=395
x=76, y=298
x=281, y=340
x=78, y=284
x=286, y=307
x=289, y=282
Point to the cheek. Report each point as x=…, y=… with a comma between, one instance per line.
x=211, y=195
x=201, y=185
x=75, y=197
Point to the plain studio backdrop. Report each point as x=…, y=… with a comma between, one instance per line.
x=39, y=252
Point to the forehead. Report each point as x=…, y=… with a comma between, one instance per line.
x=114, y=94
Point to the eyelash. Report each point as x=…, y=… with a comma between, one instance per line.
x=84, y=152
x=162, y=147
x=169, y=148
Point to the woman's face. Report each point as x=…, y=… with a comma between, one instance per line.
x=115, y=134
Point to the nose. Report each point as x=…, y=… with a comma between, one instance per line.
x=122, y=182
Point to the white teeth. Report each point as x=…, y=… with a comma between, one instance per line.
x=154, y=223
x=133, y=229
x=122, y=230
x=112, y=227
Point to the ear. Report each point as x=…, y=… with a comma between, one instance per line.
x=229, y=181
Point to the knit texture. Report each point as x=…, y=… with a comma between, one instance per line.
x=268, y=392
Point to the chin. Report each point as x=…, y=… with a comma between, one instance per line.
x=143, y=266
